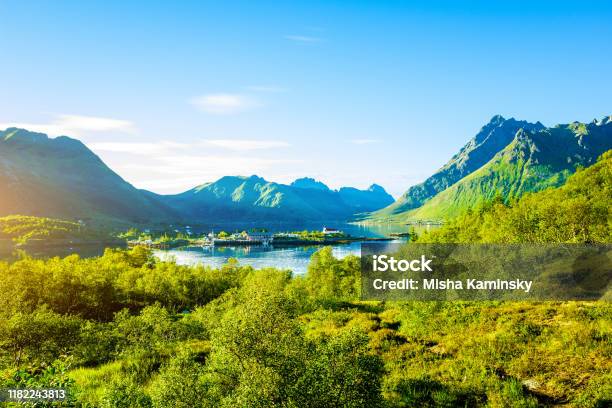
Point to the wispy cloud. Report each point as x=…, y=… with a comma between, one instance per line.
x=245, y=144
x=224, y=103
x=178, y=172
x=169, y=147
x=169, y=166
x=305, y=39
x=95, y=123
x=365, y=141
x=76, y=125
x=138, y=148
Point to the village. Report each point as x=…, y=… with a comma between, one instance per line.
x=253, y=237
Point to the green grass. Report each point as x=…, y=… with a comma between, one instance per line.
x=443, y=354
x=91, y=382
x=449, y=354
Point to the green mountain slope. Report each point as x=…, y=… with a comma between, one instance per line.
x=235, y=198
x=531, y=162
x=578, y=211
x=62, y=178
x=493, y=137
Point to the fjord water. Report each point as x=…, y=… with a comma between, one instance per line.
x=294, y=258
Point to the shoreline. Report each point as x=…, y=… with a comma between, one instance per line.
x=277, y=244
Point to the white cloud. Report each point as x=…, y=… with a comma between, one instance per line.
x=164, y=146
x=303, y=39
x=365, y=141
x=95, y=124
x=178, y=172
x=137, y=148
x=236, y=144
x=76, y=125
x=170, y=167
x=172, y=185
x=224, y=103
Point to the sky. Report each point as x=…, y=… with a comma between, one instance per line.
x=174, y=94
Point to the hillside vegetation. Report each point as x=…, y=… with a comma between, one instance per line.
x=127, y=330
x=578, y=211
x=23, y=230
x=532, y=159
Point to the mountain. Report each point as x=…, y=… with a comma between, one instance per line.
x=360, y=201
x=62, y=178
x=576, y=212
x=372, y=199
x=493, y=137
x=308, y=182
x=235, y=198
x=535, y=158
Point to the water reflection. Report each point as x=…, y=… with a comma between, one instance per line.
x=295, y=259
x=292, y=258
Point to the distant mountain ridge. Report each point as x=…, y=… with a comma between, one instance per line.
x=370, y=199
x=366, y=200
x=60, y=177
x=309, y=182
x=254, y=197
x=530, y=159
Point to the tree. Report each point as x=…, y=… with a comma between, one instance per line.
x=181, y=384
x=37, y=337
x=261, y=358
x=333, y=279
x=257, y=352
x=342, y=373
x=124, y=393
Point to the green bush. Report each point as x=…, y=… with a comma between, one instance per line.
x=125, y=394
x=37, y=337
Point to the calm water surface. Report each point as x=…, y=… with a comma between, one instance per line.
x=295, y=259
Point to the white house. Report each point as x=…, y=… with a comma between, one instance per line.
x=330, y=231
x=263, y=237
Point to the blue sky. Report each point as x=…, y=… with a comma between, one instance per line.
x=174, y=95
